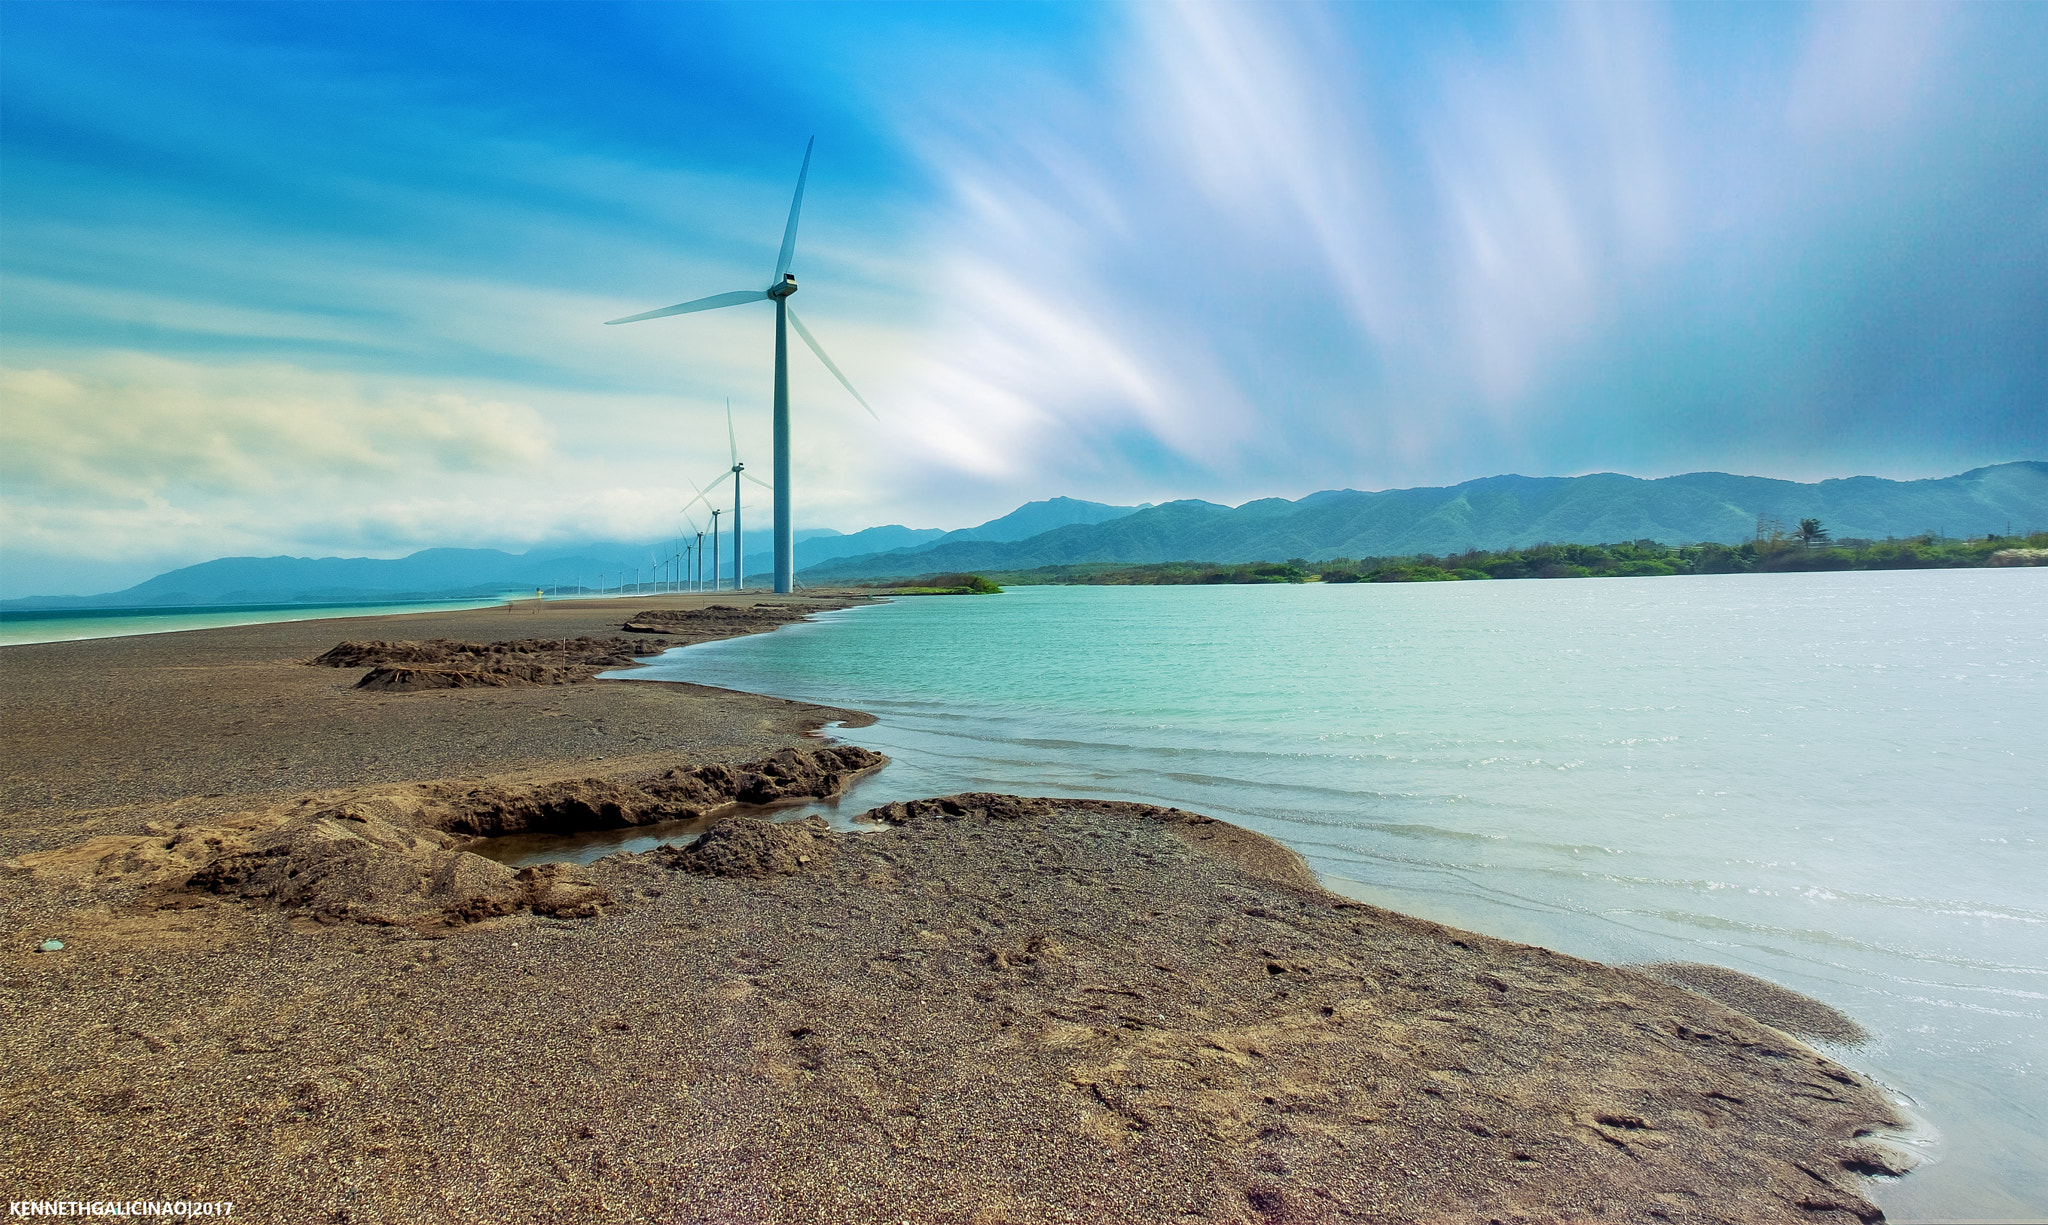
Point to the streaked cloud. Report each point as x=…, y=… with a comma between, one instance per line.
x=1864, y=66
x=328, y=278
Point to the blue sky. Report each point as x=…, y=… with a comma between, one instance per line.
x=327, y=278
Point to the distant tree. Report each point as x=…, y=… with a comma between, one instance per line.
x=1812, y=533
x=1285, y=573
x=971, y=583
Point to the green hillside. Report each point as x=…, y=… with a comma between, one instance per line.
x=1625, y=559
x=1502, y=512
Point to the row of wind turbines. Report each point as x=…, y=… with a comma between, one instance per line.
x=780, y=287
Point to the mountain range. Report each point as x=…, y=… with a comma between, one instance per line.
x=470, y=573
x=1497, y=512
x=1026, y=521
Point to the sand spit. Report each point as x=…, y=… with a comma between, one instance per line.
x=716, y=620
x=105, y=736
x=993, y=1009
x=288, y=982
x=442, y=663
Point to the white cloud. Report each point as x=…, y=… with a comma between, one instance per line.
x=120, y=455
x=139, y=428
x=117, y=457
x=1862, y=66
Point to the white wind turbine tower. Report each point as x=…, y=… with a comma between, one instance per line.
x=739, y=472
x=779, y=289
x=715, y=512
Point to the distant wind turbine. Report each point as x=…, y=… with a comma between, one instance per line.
x=694, y=566
x=715, y=512
x=739, y=472
x=778, y=291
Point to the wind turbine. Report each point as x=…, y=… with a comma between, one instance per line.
x=696, y=563
x=779, y=289
x=739, y=472
x=715, y=512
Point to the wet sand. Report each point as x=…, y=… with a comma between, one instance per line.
x=287, y=985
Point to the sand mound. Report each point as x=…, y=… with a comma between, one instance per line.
x=400, y=679
x=170, y=850
x=398, y=857
x=374, y=861
x=715, y=621
x=1258, y=855
x=442, y=663
x=570, y=805
x=1801, y=1016
x=750, y=847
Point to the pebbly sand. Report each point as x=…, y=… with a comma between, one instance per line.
x=287, y=984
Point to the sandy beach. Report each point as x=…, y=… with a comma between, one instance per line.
x=288, y=982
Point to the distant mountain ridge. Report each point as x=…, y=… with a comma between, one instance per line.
x=1022, y=523
x=472, y=573
x=1497, y=512
x=1491, y=513
x=427, y=574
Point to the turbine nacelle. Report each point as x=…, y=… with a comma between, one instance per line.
x=784, y=287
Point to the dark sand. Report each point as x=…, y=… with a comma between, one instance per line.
x=285, y=984
x=93, y=728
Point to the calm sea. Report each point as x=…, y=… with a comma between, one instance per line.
x=1834, y=781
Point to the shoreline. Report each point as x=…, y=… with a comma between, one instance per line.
x=811, y=1022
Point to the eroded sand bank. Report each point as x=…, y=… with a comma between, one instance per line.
x=990, y=1009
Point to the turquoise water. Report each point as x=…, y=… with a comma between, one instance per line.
x=1834, y=781
x=71, y=625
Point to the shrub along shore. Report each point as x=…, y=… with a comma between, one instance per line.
x=1628, y=559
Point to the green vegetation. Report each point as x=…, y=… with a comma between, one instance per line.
x=1809, y=549
x=947, y=584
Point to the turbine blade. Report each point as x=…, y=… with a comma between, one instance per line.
x=795, y=206
x=757, y=480
x=812, y=341
x=711, y=303
x=731, y=442
x=704, y=494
